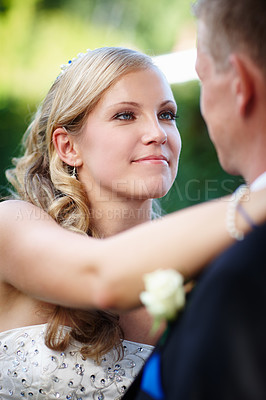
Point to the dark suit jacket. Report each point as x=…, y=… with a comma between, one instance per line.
x=216, y=350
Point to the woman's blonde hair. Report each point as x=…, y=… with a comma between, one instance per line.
x=43, y=179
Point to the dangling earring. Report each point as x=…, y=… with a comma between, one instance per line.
x=74, y=172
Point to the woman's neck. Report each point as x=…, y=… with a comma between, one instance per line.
x=110, y=218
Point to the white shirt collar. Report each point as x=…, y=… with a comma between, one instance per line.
x=259, y=183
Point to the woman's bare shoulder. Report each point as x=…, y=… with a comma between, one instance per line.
x=19, y=210
x=14, y=204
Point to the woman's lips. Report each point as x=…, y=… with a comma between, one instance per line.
x=161, y=160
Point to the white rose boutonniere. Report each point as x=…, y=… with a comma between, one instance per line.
x=164, y=295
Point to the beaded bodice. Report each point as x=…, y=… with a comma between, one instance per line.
x=30, y=370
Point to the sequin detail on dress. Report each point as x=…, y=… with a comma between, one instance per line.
x=29, y=370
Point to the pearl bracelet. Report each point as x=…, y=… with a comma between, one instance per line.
x=233, y=204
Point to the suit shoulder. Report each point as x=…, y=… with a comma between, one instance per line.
x=244, y=258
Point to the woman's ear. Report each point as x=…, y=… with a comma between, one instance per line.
x=244, y=88
x=66, y=148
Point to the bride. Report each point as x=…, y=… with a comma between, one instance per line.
x=101, y=147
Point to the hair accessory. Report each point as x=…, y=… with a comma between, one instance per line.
x=241, y=193
x=64, y=67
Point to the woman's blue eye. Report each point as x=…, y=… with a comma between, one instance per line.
x=124, y=116
x=168, y=115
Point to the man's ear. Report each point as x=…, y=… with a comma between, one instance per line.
x=243, y=83
x=66, y=148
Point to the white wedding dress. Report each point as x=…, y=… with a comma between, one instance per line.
x=30, y=370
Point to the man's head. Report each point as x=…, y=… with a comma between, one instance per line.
x=231, y=64
x=237, y=25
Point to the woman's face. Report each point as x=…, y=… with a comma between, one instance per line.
x=130, y=144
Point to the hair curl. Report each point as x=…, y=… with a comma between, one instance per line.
x=43, y=179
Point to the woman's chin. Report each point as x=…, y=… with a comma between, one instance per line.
x=151, y=192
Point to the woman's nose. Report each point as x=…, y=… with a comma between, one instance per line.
x=154, y=133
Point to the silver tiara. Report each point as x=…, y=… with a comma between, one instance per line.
x=64, y=67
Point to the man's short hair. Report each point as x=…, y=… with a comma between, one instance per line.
x=234, y=25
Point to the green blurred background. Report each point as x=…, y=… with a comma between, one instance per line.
x=37, y=36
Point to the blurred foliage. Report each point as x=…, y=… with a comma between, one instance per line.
x=37, y=36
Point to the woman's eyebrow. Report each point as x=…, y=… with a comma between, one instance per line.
x=164, y=103
x=133, y=103
x=130, y=103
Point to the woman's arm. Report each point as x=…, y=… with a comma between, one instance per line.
x=187, y=240
x=45, y=261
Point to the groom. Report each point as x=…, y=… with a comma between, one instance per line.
x=216, y=350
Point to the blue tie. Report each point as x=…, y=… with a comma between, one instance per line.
x=151, y=378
